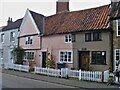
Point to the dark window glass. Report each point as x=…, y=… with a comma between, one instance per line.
x=87, y=37
x=99, y=57
x=73, y=37
x=96, y=36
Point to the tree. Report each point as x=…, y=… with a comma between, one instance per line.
x=18, y=54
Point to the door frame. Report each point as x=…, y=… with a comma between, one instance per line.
x=41, y=57
x=79, y=60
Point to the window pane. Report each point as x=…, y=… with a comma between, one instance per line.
x=96, y=36
x=87, y=36
x=99, y=57
x=65, y=56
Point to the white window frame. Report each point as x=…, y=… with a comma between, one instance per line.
x=117, y=27
x=2, y=37
x=26, y=59
x=68, y=38
x=115, y=61
x=66, y=51
x=26, y=40
x=12, y=36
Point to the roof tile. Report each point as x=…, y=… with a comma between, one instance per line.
x=89, y=19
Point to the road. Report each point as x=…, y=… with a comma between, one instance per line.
x=11, y=81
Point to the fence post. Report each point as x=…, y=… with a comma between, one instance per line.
x=80, y=74
x=106, y=75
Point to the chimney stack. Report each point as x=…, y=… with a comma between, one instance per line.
x=62, y=5
x=9, y=21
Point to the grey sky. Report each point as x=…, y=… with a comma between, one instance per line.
x=16, y=8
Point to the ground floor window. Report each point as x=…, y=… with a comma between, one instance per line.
x=1, y=55
x=117, y=57
x=29, y=55
x=99, y=57
x=66, y=56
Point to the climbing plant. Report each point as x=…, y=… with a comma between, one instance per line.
x=18, y=54
x=50, y=63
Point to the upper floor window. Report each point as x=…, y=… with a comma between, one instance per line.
x=95, y=36
x=118, y=27
x=73, y=37
x=2, y=37
x=29, y=40
x=66, y=56
x=12, y=36
x=87, y=37
x=68, y=38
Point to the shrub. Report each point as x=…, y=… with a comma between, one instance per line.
x=18, y=54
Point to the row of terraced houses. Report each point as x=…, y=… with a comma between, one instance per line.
x=87, y=39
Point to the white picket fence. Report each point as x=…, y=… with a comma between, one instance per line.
x=17, y=67
x=70, y=73
x=90, y=75
x=64, y=72
x=47, y=71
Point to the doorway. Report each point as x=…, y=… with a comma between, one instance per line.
x=84, y=57
x=44, y=55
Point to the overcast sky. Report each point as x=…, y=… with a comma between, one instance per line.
x=16, y=8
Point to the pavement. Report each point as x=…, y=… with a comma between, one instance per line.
x=69, y=82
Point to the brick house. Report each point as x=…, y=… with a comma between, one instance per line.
x=115, y=26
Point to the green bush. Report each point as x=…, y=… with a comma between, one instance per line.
x=50, y=63
x=110, y=80
x=18, y=54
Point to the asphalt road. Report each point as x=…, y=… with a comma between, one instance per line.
x=11, y=81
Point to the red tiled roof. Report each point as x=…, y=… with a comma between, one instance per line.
x=89, y=19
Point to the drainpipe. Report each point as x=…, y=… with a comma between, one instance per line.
x=111, y=43
x=42, y=32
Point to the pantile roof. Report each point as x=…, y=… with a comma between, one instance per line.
x=75, y=21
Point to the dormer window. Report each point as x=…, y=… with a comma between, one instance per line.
x=118, y=27
x=29, y=40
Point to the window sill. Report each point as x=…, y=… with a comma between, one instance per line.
x=97, y=40
x=97, y=64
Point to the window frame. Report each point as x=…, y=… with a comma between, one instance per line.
x=115, y=59
x=69, y=36
x=95, y=61
x=64, y=51
x=2, y=38
x=29, y=40
x=28, y=53
x=88, y=36
x=12, y=36
x=99, y=38
x=117, y=25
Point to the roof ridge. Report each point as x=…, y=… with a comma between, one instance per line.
x=35, y=13
x=79, y=10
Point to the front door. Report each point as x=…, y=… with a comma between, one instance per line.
x=84, y=60
x=44, y=54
